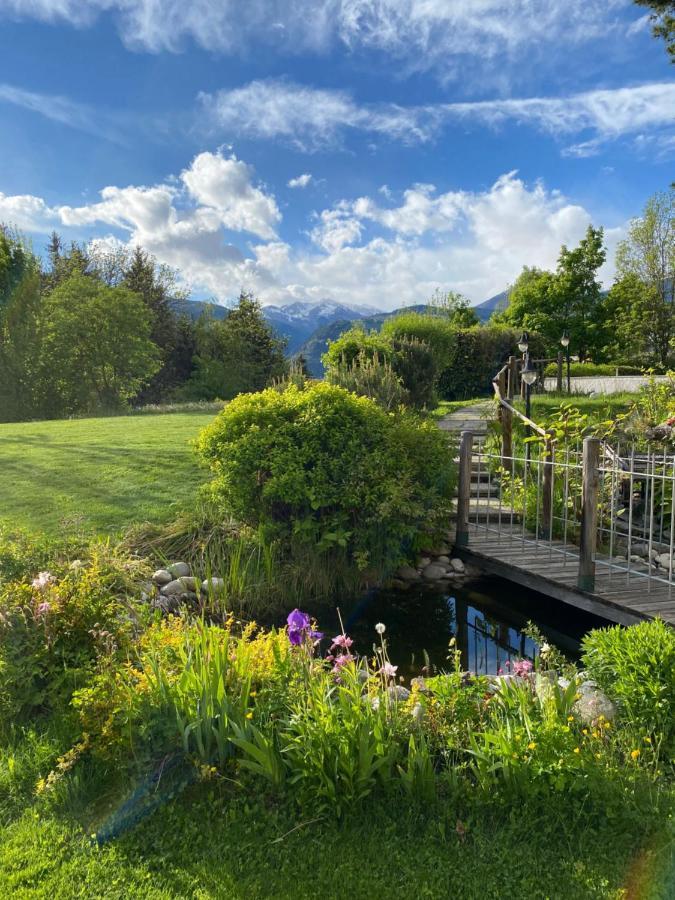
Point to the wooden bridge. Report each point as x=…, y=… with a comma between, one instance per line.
x=590, y=524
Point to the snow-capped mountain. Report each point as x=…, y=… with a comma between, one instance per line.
x=297, y=321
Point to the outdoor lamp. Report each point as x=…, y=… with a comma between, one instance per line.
x=523, y=342
x=529, y=375
x=565, y=339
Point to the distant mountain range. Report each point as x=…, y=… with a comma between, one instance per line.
x=309, y=326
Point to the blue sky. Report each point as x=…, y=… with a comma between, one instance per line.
x=368, y=151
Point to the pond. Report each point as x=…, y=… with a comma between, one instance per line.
x=484, y=615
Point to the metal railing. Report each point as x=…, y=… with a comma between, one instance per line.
x=608, y=512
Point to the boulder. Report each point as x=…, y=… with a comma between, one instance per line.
x=423, y=562
x=162, y=577
x=213, y=585
x=189, y=583
x=665, y=561
x=407, y=573
x=433, y=572
x=458, y=566
x=173, y=588
x=179, y=570
x=593, y=704
x=170, y=604
x=443, y=559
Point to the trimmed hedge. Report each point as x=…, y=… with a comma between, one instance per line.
x=592, y=370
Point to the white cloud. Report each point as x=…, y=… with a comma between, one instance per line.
x=63, y=110
x=310, y=118
x=422, y=33
x=302, y=181
x=364, y=251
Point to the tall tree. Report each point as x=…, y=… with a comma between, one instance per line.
x=96, y=350
x=643, y=297
x=568, y=300
x=663, y=22
x=455, y=307
x=239, y=353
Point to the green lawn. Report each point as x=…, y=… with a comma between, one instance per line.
x=211, y=844
x=98, y=475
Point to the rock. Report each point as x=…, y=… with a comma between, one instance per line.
x=592, y=704
x=213, y=586
x=458, y=565
x=433, y=572
x=443, y=559
x=407, y=573
x=423, y=562
x=417, y=712
x=166, y=604
x=665, y=561
x=179, y=570
x=162, y=577
x=190, y=597
x=189, y=583
x=398, y=584
x=640, y=549
x=636, y=559
x=173, y=588
x=398, y=693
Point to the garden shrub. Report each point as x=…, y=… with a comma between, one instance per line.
x=467, y=358
x=411, y=359
x=636, y=667
x=54, y=628
x=587, y=369
x=370, y=376
x=324, y=469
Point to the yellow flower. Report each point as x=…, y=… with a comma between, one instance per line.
x=577, y=750
x=606, y=724
x=531, y=745
x=647, y=739
x=249, y=715
x=634, y=754
x=570, y=718
x=584, y=730
x=253, y=694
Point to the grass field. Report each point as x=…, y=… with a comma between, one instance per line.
x=98, y=475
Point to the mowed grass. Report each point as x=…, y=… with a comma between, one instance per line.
x=96, y=476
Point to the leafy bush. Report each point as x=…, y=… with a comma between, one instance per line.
x=588, y=369
x=467, y=358
x=636, y=667
x=54, y=628
x=369, y=376
x=324, y=469
x=412, y=360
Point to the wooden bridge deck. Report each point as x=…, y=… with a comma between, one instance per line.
x=550, y=567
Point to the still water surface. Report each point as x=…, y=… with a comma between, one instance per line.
x=484, y=615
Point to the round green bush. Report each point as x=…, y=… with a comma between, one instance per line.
x=324, y=468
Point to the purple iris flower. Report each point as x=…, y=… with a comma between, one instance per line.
x=296, y=636
x=298, y=620
x=316, y=635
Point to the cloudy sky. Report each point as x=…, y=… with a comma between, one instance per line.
x=367, y=151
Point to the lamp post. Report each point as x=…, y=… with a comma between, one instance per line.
x=565, y=342
x=529, y=376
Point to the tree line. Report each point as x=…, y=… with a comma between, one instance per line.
x=633, y=322
x=96, y=329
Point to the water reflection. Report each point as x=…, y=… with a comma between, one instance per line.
x=485, y=616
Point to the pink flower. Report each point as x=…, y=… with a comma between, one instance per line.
x=522, y=667
x=341, y=661
x=43, y=609
x=388, y=670
x=342, y=641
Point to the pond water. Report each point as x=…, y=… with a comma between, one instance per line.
x=485, y=616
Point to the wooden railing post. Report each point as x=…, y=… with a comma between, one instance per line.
x=547, y=502
x=589, y=513
x=513, y=377
x=464, y=488
x=560, y=372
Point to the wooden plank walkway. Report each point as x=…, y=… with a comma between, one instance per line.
x=550, y=567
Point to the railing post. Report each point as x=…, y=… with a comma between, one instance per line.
x=547, y=500
x=464, y=488
x=590, y=475
x=560, y=372
x=513, y=377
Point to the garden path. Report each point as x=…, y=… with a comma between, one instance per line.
x=472, y=418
